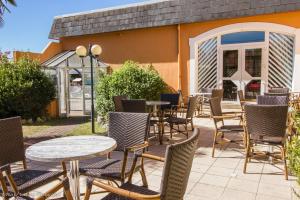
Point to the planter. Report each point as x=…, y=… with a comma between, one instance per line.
x=295, y=188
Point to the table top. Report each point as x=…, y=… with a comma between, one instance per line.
x=157, y=103
x=71, y=148
x=202, y=93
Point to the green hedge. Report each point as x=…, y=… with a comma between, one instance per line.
x=293, y=149
x=24, y=89
x=132, y=80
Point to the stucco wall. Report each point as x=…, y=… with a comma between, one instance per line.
x=194, y=29
x=156, y=46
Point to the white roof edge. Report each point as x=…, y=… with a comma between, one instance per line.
x=111, y=8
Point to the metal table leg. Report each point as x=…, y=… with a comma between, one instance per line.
x=74, y=179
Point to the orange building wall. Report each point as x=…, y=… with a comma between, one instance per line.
x=156, y=46
x=194, y=29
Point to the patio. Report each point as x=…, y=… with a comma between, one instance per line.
x=211, y=178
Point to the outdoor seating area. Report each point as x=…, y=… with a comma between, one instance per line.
x=241, y=150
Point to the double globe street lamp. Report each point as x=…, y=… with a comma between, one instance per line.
x=93, y=51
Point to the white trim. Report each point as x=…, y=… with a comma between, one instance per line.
x=296, y=79
x=240, y=27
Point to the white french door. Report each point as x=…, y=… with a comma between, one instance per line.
x=243, y=67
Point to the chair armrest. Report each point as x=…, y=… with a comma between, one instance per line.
x=138, y=147
x=5, y=168
x=153, y=157
x=125, y=193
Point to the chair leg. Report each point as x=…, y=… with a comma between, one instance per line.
x=284, y=161
x=192, y=124
x=143, y=174
x=214, y=144
x=171, y=130
x=88, y=190
x=246, y=157
x=186, y=131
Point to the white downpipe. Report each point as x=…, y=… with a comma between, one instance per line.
x=296, y=73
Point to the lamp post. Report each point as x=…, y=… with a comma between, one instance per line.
x=93, y=52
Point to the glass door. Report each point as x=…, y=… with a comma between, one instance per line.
x=242, y=69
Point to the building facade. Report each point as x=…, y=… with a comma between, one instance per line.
x=248, y=45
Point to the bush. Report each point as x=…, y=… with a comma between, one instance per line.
x=25, y=90
x=131, y=80
x=293, y=150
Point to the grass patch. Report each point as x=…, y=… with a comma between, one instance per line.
x=31, y=129
x=86, y=129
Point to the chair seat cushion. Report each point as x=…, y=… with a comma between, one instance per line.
x=28, y=179
x=132, y=188
x=231, y=128
x=110, y=168
x=176, y=120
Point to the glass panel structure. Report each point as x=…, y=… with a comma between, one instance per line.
x=243, y=37
x=230, y=90
x=253, y=62
x=230, y=62
x=252, y=89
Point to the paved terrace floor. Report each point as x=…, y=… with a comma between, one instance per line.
x=219, y=178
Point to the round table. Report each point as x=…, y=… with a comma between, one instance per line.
x=73, y=149
x=160, y=116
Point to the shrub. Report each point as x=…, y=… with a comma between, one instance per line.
x=131, y=80
x=24, y=89
x=293, y=150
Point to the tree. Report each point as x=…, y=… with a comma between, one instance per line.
x=4, y=8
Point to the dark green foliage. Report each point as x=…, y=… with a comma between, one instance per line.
x=24, y=89
x=293, y=149
x=131, y=80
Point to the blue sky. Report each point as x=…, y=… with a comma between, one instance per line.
x=28, y=25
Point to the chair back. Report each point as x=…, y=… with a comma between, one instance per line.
x=279, y=90
x=178, y=164
x=118, y=102
x=173, y=98
x=128, y=129
x=11, y=141
x=266, y=120
x=215, y=108
x=272, y=100
x=217, y=93
x=134, y=105
x=191, y=107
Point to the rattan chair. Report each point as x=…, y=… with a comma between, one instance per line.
x=220, y=128
x=265, y=124
x=134, y=105
x=50, y=192
x=185, y=121
x=272, y=100
x=130, y=132
x=178, y=162
x=279, y=90
x=173, y=98
x=118, y=102
x=12, y=151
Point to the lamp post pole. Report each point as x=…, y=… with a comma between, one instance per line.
x=92, y=90
x=93, y=51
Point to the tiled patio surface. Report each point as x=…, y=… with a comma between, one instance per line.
x=215, y=178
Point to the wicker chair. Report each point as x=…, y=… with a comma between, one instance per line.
x=134, y=105
x=272, y=100
x=265, y=124
x=219, y=117
x=130, y=132
x=279, y=90
x=118, y=102
x=178, y=163
x=173, y=98
x=62, y=184
x=12, y=150
x=188, y=119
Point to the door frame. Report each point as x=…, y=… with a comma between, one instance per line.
x=241, y=47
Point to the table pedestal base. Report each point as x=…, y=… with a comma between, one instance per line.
x=74, y=179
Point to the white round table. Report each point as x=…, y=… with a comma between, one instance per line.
x=73, y=149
